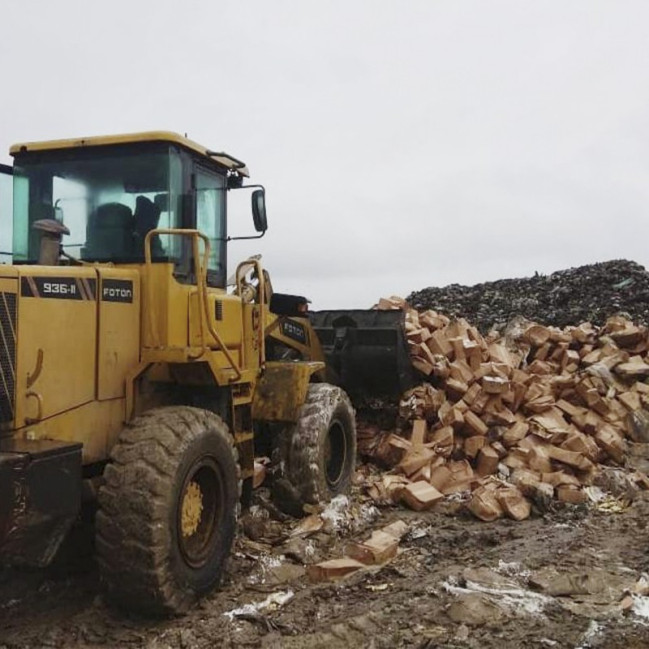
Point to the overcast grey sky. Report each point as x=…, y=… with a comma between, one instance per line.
x=402, y=144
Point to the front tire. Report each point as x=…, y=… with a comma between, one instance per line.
x=315, y=458
x=168, y=508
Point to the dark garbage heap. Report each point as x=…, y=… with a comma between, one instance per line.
x=590, y=293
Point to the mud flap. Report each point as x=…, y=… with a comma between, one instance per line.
x=40, y=497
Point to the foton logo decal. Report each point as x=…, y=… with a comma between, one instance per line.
x=117, y=290
x=294, y=331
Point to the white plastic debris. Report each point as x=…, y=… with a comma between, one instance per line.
x=595, y=494
x=640, y=606
x=335, y=512
x=514, y=599
x=589, y=635
x=512, y=569
x=272, y=602
x=266, y=563
x=341, y=515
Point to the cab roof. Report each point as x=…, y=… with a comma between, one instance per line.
x=221, y=158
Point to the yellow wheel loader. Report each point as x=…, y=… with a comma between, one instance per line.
x=133, y=377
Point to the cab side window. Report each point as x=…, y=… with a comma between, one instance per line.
x=210, y=220
x=6, y=214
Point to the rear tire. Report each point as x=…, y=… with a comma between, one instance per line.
x=168, y=510
x=315, y=459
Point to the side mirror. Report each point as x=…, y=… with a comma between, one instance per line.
x=259, y=210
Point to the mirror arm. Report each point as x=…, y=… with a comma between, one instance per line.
x=248, y=187
x=255, y=236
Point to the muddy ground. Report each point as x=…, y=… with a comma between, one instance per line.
x=554, y=580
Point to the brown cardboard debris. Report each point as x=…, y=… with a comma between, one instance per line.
x=527, y=481
x=461, y=477
x=484, y=505
x=333, y=570
x=571, y=494
x=442, y=441
x=388, y=489
x=487, y=461
x=513, y=503
x=397, y=529
x=474, y=424
x=557, y=478
x=472, y=445
x=612, y=442
x=379, y=548
x=419, y=429
x=420, y=496
x=515, y=433
x=635, y=367
x=536, y=335
x=259, y=473
x=415, y=459
x=308, y=525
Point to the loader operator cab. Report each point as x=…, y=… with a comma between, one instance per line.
x=109, y=192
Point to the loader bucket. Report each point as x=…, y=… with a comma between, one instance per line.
x=366, y=352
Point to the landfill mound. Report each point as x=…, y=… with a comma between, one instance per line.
x=590, y=293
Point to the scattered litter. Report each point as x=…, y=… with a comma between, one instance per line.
x=266, y=564
x=418, y=533
x=309, y=525
x=611, y=505
x=514, y=599
x=595, y=494
x=340, y=515
x=272, y=603
x=589, y=635
x=642, y=585
x=641, y=606
x=512, y=569
x=336, y=512
x=459, y=496
x=606, y=502
x=377, y=588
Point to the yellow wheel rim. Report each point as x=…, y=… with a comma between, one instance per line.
x=191, y=509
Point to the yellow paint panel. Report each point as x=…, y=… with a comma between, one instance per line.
x=164, y=308
x=96, y=424
x=56, y=341
x=8, y=284
x=119, y=329
x=228, y=324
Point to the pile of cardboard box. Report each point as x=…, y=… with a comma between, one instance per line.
x=528, y=415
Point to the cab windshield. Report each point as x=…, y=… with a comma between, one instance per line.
x=108, y=199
